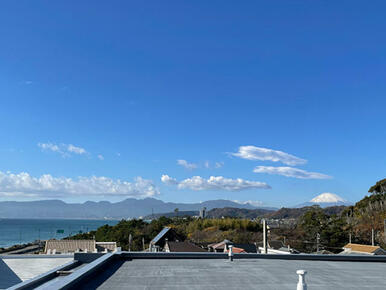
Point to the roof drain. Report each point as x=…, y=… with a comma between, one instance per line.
x=302, y=282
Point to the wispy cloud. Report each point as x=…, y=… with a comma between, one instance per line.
x=100, y=157
x=50, y=147
x=290, y=172
x=186, y=164
x=255, y=203
x=63, y=149
x=214, y=183
x=209, y=165
x=218, y=164
x=28, y=82
x=77, y=150
x=25, y=185
x=265, y=154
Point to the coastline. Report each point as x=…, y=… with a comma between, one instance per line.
x=16, y=233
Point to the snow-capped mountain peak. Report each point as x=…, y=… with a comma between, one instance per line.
x=327, y=197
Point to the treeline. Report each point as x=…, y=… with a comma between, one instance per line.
x=196, y=230
x=316, y=228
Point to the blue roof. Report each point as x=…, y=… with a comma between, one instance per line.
x=160, y=235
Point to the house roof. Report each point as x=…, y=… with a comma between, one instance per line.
x=248, y=248
x=183, y=247
x=220, y=245
x=237, y=250
x=112, y=246
x=361, y=248
x=69, y=246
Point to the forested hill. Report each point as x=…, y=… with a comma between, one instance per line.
x=285, y=213
x=237, y=212
x=233, y=212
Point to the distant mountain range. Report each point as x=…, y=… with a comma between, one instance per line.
x=324, y=200
x=133, y=208
x=128, y=208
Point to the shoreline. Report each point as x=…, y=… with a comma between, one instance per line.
x=76, y=219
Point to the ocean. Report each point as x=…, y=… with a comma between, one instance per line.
x=21, y=231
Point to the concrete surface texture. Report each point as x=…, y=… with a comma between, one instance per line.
x=8, y=278
x=16, y=269
x=239, y=274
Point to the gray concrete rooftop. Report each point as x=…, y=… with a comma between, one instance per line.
x=239, y=274
x=17, y=268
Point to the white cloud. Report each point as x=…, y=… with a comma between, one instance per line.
x=255, y=203
x=23, y=184
x=214, y=183
x=208, y=165
x=63, y=149
x=75, y=149
x=169, y=180
x=186, y=164
x=290, y=172
x=50, y=147
x=100, y=157
x=265, y=154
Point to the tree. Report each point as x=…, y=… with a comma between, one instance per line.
x=379, y=187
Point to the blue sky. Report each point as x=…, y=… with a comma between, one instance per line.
x=145, y=84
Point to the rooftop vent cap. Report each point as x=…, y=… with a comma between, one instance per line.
x=302, y=282
x=230, y=252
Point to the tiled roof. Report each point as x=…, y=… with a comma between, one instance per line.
x=361, y=248
x=220, y=245
x=70, y=246
x=111, y=246
x=248, y=248
x=236, y=250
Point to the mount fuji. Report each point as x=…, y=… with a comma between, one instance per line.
x=325, y=200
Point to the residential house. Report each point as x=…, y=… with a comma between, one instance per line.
x=74, y=246
x=358, y=249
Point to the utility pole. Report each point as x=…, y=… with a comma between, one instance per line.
x=317, y=242
x=372, y=237
x=143, y=243
x=265, y=246
x=349, y=238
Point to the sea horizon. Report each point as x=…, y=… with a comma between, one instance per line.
x=17, y=231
